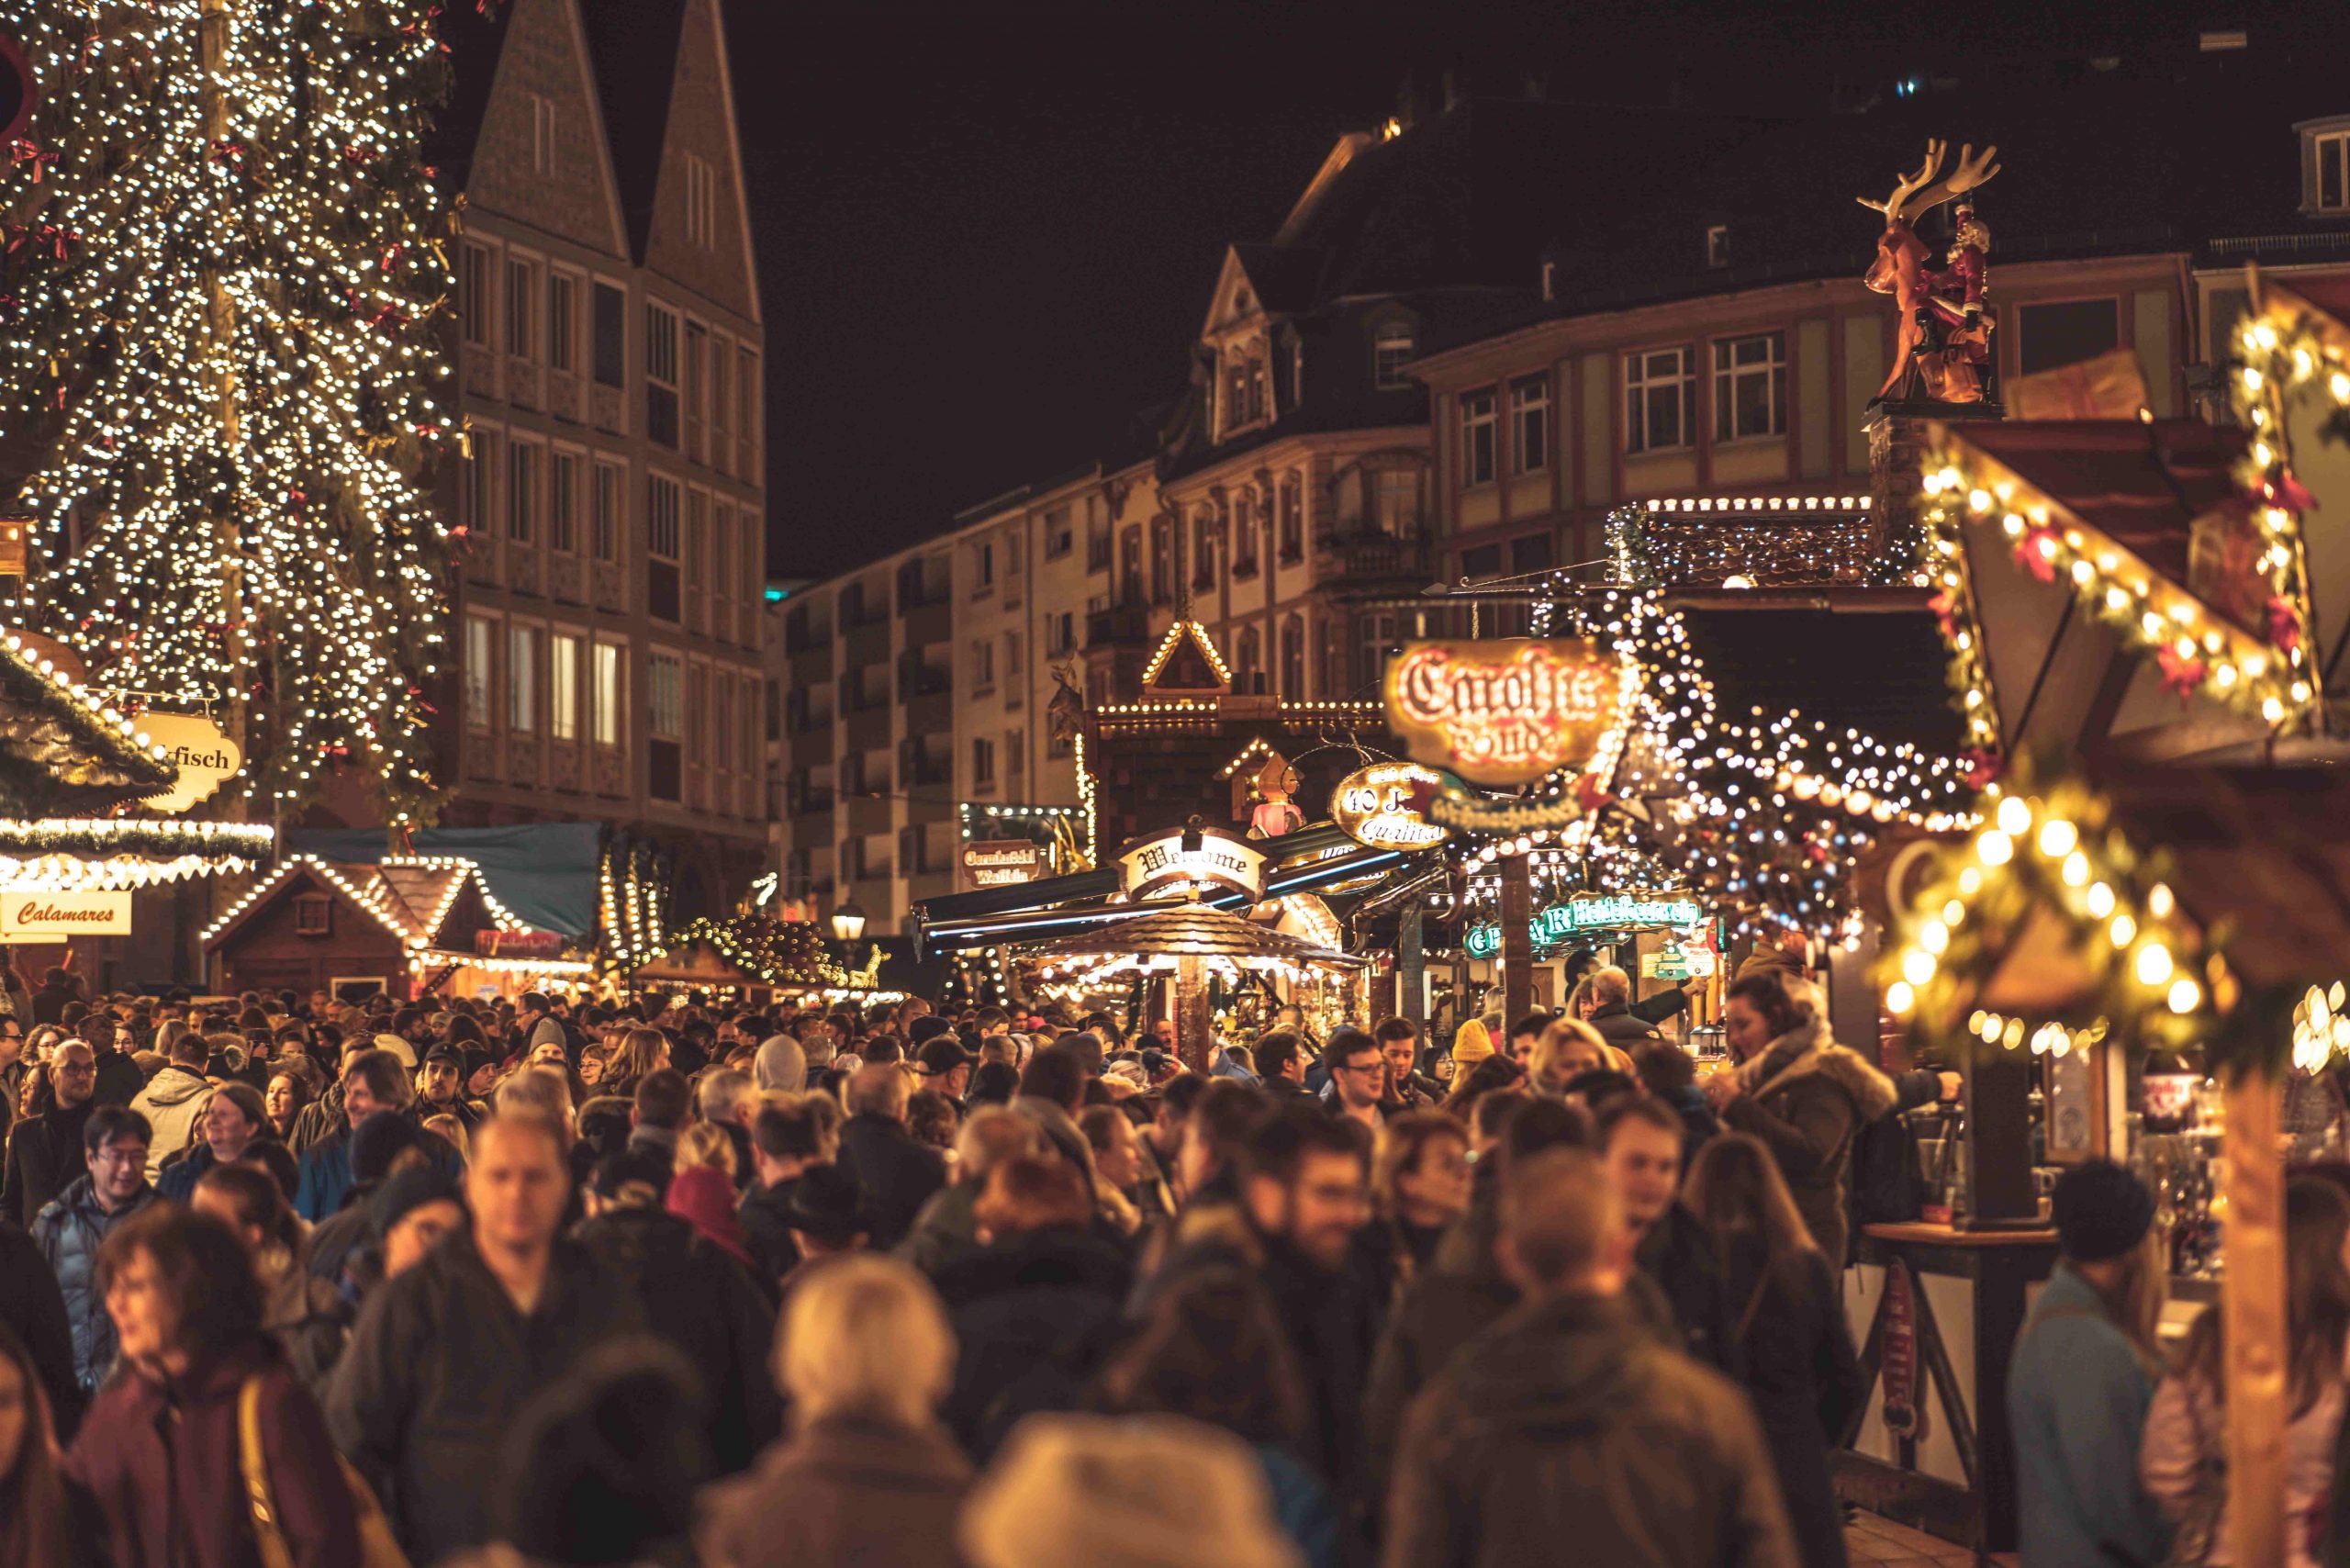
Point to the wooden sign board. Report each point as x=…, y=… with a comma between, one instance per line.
x=1505, y=711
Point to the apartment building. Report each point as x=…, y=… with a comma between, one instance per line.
x=612, y=557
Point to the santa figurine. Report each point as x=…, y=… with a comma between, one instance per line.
x=1951, y=314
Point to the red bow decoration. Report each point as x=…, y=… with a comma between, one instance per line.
x=2284, y=623
x=2286, y=491
x=1982, y=766
x=23, y=150
x=2182, y=673
x=2036, y=552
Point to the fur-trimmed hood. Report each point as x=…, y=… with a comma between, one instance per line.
x=1807, y=1050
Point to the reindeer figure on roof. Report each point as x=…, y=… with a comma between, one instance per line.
x=1945, y=344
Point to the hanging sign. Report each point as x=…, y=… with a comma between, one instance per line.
x=1904, y=1415
x=1160, y=865
x=1559, y=923
x=199, y=748
x=28, y=916
x=519, y=944
x=1001, y=862
x=1503, y=713
x=1375, y=805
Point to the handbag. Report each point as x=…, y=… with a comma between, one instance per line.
x=377, y=1547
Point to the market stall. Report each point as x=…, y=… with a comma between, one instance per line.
x=758, y=958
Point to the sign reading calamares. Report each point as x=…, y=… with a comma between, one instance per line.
x=1503, y=713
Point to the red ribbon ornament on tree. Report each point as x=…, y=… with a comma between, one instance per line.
x=2182, y=673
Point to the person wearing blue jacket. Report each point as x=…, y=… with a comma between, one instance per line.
x=2083, y=1379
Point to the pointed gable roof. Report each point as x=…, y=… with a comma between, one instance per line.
x=633, y=45
x=1186, y=663
x=417, y=898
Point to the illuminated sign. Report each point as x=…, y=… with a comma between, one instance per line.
x=1374, y=805
x=1160, y=865
x=1503, y=713
x=1562, y=923
x=28, y=916
x=201, y=750
x=1001, y=862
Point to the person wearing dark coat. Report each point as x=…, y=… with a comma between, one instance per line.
x=897, y=1173
x=118, y=1078
x=34, y=1308
x=693, y=1295
x=445, y=1353
x=45, y=1151
x=1035, y=1306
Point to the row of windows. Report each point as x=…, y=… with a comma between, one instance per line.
x=560, y=680
x=530, y=493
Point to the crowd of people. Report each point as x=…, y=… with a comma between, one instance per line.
x=285, y=1284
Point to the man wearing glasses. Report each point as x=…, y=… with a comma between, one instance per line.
x=45, y=1151
x=1358, y=1078
x=70, y=1231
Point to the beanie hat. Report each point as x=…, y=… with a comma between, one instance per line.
x=398, y=1047
x=411, y=1189
x=375, y=1142
x=1471, y=1043
x=923, y=1027
x=2102, y=1211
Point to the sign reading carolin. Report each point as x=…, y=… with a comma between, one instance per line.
x=1163, y=864
x=1375, y=805
x=1503, y=713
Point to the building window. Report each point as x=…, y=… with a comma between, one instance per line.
x=541, y=134
x=562, y=501
x=1015, y=757
x=1060, y=535
x=2067, y=333
x=1249, y=660
x=608, y=511
x=1660, y=400
x=1478, y=436
x=612, y=336
x=983, y=568
x=746, y=405
x=661, y=374
x=1162, y=560
x=1395, y=502
x=1293, y=658
x=1391, y=350
x=562, y=686
x=697, y=388
x=690, y=562
x=521, y=679
x=607, y=714
x=1013, y=658
x=1751, y=387
x=1531, y=553
x=1097, y=541
x=1480, y=561
x=1717, y=245
x=666, y=696
x=1244, y=531
x=1529, y=425
x=663, y=589
x=1204, y=549
x=521, y=307
x=472, y=295
x=1293, y=526
x=481, y=483
x=562, y=322
x=701, y=203
x=313, y=914
x=2330, y=171
x=982, y=764
x=481, y=642
x=983, y=665
x=521, y=493
x=1060, y=633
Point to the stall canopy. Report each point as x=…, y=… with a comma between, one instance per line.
x=544, y=873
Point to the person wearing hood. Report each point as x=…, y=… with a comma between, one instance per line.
x=1799, y=1092
x=175, y=1098
x=70, y=1231
x=696, y=1293
x=781, y=1067
x=1569, y=1409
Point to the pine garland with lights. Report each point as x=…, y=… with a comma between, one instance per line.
x=225, y=336
x=769, y=951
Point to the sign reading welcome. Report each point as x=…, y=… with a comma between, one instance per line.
x=1503, y=713
x=1160, y=865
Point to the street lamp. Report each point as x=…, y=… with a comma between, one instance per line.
x=848, y=925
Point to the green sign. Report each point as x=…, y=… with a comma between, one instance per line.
x=1562, y=923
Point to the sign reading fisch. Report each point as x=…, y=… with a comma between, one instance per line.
x=1001, y=862
x=1503, y=713
x=1160, y=865
x=199, y=748
x=1377, y=805
x=28, y=916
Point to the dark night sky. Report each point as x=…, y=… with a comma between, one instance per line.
x=986, y=232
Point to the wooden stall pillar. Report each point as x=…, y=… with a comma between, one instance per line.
x=1517, y=942
x=1411, y=967
x=2252, y=1308
x=1194, y=1024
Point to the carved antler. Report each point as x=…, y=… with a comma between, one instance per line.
x=1913, y=196
x=1907, y=186
x=1971, y=170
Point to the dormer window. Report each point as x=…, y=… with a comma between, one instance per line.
x=1246, y=393
x=2325, y=166
x=1391, y=350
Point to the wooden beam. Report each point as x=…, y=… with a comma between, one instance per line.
x=1518, y=943
x=2252, y=1315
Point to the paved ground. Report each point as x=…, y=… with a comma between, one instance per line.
x=1880, y=1543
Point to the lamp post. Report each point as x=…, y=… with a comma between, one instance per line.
x=848, y=925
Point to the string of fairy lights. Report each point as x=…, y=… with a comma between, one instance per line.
x=228, y=345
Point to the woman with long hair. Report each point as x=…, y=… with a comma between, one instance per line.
x=1788, y=1322
x=288, y=1091
x=2183, y=1457
x=641, y=1053
x=187, y=1308
x=1419, y=1186
x=45, y=1520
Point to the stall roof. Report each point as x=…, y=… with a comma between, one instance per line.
x=63, y=751
x=544, y=872
x=1870, y=660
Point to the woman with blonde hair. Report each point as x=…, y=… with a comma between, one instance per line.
x=1566, y=1051
x=641, y=1052
x=1789, y=1325
x=864, y=1356
x=705, y=1143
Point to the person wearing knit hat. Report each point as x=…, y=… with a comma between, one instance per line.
x=1471, y=1044
x=1131, y=1492
x=2083, y=1378
x=409, y=1213
x=398, y=1047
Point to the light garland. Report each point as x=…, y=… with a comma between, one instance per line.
x=1759, y=541
x=229, y=343
x=1198, y=634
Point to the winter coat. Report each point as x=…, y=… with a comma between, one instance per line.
x=945, y=1230
x=1811, y=1095
x=1061, y=1131
x=2077, y=1398
x=767, y=1231
x=119, y=1080
x=1442, y=1310
x=321, y=1118
x=1803, y=1377
x=163, y=1460
x=702, y=1301
x=177, y=1178
x=306, y=1315
x=1677, y=1253
x=842, y=1493
x=34, y=1308
x=1568, y=1423
x=45, y=1155
x=1615, y=1024
x=327, y=1180
x=896, y=1173
x=439, y=1365
x=1032, y=1317
x=69, y=1234
x=173, y=1102
x=2186, y=1428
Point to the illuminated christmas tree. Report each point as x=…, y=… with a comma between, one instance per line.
x=225, y=266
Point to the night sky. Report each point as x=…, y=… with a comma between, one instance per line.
x=986, y=232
